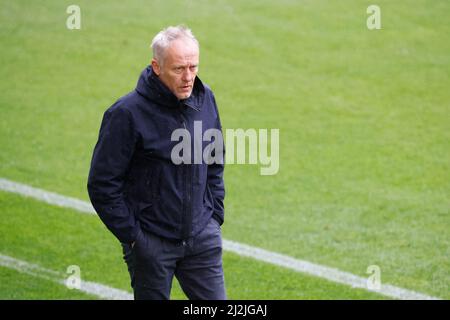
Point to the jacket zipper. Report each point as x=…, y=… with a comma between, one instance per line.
x=184, y=217
x=187, y=205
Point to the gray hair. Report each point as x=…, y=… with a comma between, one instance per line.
x=163, y=39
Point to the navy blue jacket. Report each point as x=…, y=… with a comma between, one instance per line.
x=133, y=182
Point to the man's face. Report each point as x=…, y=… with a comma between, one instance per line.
x=179, y=67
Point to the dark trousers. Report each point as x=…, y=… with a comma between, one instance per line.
x=196, y=263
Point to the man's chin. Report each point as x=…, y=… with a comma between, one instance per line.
x=183, y=96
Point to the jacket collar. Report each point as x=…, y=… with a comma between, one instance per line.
x=150, y=86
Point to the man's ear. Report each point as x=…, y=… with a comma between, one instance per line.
x=156, y=67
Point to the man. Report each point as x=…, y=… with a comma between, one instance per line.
x=167, y=216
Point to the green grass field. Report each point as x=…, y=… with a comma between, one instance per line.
x=364, y=136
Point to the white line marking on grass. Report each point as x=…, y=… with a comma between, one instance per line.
x=274, y=258
x=320, y=271
x=93, y=288
x=46, y=196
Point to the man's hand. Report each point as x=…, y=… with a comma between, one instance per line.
x=132, y=244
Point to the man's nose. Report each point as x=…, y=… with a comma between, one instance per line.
x=188, y=75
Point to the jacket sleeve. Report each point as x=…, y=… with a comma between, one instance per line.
x=109, y=165
x=215, y=178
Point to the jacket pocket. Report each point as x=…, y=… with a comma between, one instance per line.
x=208, y=199
x=143, y=196
x=155, y=184
x=150, y=194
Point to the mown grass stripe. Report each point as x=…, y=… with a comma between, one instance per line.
x=100, y=290
x=274, y=258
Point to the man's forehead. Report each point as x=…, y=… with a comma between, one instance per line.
x=181, y=51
